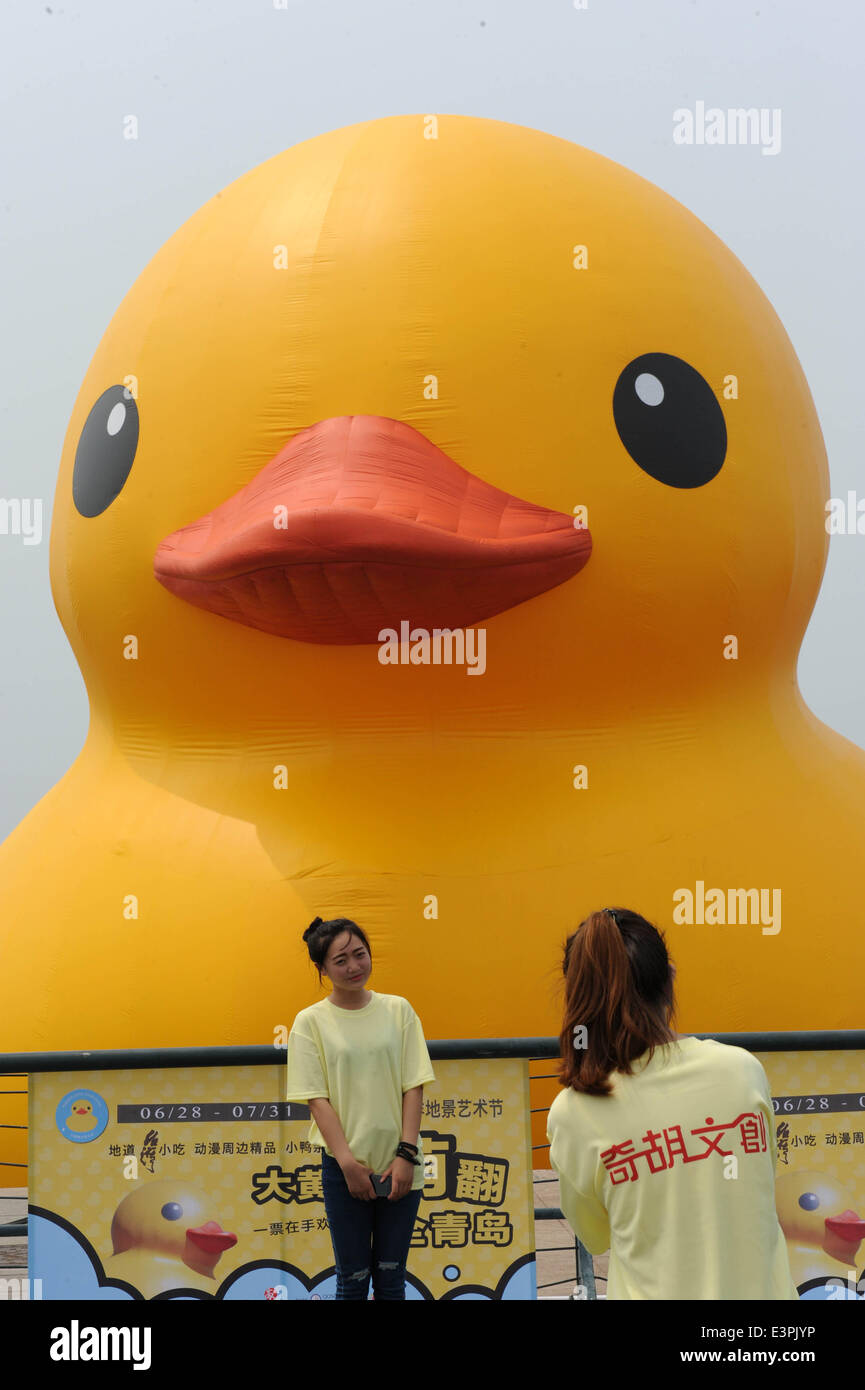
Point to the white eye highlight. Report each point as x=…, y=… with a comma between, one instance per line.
x=648, y=388
x=116, y=418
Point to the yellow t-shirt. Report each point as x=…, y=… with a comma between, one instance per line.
x=362, y=1061
x=642, y=1173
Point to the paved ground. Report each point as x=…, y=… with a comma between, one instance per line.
x=556, y=1266
x=13, y=1253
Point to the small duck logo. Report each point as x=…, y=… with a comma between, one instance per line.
x=81, y=1116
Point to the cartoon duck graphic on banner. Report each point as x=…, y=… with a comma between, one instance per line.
x=80, y=1117
x=824, y=1231
x=164, y=1237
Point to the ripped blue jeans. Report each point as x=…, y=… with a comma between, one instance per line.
x=369, y=1238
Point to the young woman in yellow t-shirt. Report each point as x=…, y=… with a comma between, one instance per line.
x=651, y=1125
x=360, y=1061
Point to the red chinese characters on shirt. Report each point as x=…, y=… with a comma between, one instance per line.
x=666, y=1145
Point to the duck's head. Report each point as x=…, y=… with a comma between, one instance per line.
x=374, y=380
x=170, y=1218
x=815, y=1210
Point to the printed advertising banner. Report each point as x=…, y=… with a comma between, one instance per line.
x=819, y=1102
x=196, y=1183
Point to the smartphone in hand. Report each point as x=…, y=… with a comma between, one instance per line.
x=381, y=1185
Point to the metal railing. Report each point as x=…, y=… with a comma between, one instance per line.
x=19, y=1065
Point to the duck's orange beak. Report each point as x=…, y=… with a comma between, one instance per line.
x=211, y=1238
x=848, y=1226
x=358, y=524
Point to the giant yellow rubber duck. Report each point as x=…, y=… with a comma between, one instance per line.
x=164, y=1237
x=413, y=375
x=823, y=1228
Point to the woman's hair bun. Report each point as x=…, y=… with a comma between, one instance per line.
x=311, y=928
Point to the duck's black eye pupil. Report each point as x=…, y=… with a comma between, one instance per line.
x=172, y=1211
x=105, y=451
x=669, y=420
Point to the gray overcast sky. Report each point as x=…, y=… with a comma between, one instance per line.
x=221, y=85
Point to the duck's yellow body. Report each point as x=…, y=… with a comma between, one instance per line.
x=154, y=1274
x=637, y=730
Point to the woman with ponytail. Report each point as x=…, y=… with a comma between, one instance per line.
x=664, y=1144
x=360, y=1061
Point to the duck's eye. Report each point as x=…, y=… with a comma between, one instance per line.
x=669, y=420
x=106, y=450
x=809, y=1201
x=172, y=1211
